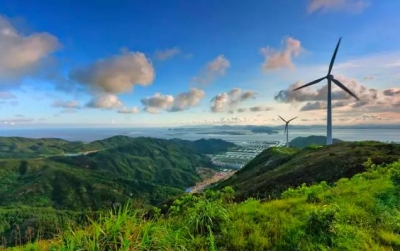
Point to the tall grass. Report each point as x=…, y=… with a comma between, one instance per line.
x=361, y=213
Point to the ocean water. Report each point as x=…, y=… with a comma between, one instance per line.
x=91, y=134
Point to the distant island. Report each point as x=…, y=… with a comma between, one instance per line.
x=225, y=133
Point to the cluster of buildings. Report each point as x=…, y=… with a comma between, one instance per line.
x=245, y=152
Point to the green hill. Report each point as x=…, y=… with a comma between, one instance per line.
x=44, y=183
x=147, y=169
x=276, y=169
x=311, y=140
x=18, y=147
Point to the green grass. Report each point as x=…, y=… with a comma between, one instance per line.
x=358, y=213
x=279, y=168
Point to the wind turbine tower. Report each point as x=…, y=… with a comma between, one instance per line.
x=287, y=129
x=330, y=79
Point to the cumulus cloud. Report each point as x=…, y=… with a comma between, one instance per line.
x=227, y=100
x=22, y=55
x=275, y=59
x=158, y=101
x=371, y=100
x=7, y=95
x=337, y=5
x=240, y=110
x=186, y=100
x=66, y=104
x=320, y=94
x=180, y=102
x=117, y=74
x=391, y=92
x=219, y=102
x=104, y=101
x=212, y=70
x=167, y=54
x=132, y=110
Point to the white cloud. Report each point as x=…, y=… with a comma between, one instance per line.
x=212, y=70
x=224, y=101
x=132, y=110
x=21, y=55
x=167, y=54
x=275, y=59
x=117, y=74
x=158, y=101
x=219, y=102
x=7, y=95
x=182, y=101
x=185, y=100
x=337, y=5
x=105, y=101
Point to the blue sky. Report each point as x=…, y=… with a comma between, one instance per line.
x=168, y=63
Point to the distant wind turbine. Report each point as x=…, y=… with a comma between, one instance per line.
x=330, y=78
x=287, y=129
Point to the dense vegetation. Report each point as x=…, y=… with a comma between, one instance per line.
x=277, y=168
x=43, y=188
x=360, y=213
x=302, y=142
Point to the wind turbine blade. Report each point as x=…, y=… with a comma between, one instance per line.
x=286, y=128
x=344, y=88
x=311, y=83
x=282, y=118
x=292, y=119
x=334, y=57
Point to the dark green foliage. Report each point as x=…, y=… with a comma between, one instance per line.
x=313, y=140
x=206, y=146
x=276, y=169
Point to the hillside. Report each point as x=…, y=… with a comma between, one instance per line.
x=360, y=213
x=18, y=147
x=42, y=181
x=302, y=142
x=276, y=169
x=118, y=168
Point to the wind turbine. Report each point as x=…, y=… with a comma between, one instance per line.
x=287, y=129
x=330, y=79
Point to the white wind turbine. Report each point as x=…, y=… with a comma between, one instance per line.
x=330, y=79
x=287, y=129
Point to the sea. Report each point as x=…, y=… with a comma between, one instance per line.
x=91, y=134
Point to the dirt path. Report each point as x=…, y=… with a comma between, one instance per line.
x=218, y=176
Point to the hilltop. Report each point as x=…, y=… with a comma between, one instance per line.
x=278, y=168
x=302, y=142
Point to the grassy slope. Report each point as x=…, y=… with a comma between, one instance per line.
x=276, y=169
x=361, y=213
